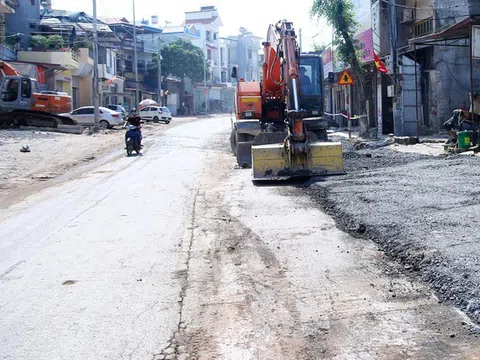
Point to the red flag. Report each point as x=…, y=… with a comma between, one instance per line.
x=379, y=64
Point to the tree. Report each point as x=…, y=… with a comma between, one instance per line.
x=340, y=15
x=319, y=48
x=182, y=58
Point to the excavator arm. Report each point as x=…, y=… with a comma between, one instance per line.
x=299, y=154
x=8, y=70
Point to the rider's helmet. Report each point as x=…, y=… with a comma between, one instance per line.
x=134, y=111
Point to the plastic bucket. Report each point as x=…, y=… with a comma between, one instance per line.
x=464, y=139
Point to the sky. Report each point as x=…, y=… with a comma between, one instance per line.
x=255, y=15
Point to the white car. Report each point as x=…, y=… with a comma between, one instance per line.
x=85, y=116
x=120, y=109
x=156, y=114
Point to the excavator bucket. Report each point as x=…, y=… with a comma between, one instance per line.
x=277, y=162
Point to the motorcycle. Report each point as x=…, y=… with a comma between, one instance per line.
x=133, y=140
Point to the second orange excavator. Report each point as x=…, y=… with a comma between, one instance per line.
x=21, y=103
x=279, y=130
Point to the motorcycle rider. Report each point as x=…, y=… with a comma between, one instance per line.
x=135, y=121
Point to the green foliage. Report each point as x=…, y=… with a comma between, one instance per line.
x=39, y=42
x=85, y=43
x=319, y=48
x=182, y=58
x=55, y=42
x=340, y=15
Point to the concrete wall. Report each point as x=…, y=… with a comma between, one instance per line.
x=450, y=83
x=452, y=11
x=85, y=94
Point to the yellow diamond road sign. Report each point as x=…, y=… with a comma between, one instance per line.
x=346, y=79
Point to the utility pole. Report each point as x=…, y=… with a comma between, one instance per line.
x=96, y=90
x=332, y=92
x=160, y=95
x=398, y=128
x=135, y=59
x=205, y=91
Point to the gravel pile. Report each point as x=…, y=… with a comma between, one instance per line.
x=422, y=210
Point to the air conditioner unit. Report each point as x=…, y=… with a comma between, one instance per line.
x=406, y=16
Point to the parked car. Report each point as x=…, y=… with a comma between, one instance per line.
x=156, y=114
x=85, y=116
x=120, y=109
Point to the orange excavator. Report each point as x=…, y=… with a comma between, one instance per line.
x=278, y=129
x=22, y=104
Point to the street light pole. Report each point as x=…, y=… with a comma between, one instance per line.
x=96, y=90
x=135, y=66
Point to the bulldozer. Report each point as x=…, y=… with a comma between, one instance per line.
x=21, y=103
x=278, y=129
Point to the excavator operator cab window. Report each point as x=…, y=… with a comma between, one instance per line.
x=305, y=79
x=10, y=90
x=310, y=76
x=26, y=89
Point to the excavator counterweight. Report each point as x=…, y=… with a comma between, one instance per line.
x=278, y=130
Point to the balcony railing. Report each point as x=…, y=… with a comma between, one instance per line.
x=424, y=27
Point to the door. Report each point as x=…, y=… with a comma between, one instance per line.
x=84, y=116
x=146, y=113
x=411, y=94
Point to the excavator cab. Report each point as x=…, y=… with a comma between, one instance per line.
x=311, y=85
x=16, y=92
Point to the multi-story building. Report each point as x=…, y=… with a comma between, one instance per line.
x=17, y=22
x=207, y=22
x=146, y=43
x=242, y=51
x=433, y=38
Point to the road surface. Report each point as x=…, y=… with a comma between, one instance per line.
x=177, y=255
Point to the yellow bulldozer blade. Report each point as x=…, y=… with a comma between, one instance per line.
x=274, y=162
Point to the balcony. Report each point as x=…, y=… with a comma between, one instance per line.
x=128, y=44
x=105, y=72
x=424, y=27
x=131, y=76
x=68, y=59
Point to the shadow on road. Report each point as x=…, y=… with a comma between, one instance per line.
x=303, y=182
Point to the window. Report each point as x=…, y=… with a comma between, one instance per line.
x=208, y=36
x=26, y=89
x=32, y=2
x=250, y=55
x=209, y=54
x=310, y=77
x=215, y=36
x=10, y=90
x=83, y=111
x=224, y=76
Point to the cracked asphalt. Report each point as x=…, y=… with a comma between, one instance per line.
x=177, y=255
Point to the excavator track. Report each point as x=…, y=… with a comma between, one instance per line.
x=19, y=118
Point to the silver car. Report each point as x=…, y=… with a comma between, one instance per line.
x=85, y=116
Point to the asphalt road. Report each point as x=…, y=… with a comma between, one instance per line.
x=177, y=255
